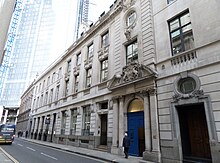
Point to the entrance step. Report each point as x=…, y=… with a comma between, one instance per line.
x=102, y=148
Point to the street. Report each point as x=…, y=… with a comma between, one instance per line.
x=27, y=152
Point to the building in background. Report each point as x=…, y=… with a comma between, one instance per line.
x=6, y=11
x=42, y=30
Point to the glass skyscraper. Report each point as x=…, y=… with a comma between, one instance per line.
x=44, y=30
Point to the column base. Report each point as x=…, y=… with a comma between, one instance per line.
x=115, y=150
x=154, y=156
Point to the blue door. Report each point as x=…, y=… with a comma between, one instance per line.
x=136, y=133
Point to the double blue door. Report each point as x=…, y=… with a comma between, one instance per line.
x=136, y=133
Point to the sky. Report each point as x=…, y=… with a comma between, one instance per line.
x=97, y=7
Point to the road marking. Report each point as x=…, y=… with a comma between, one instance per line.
x=49, y=156
x=31, y=148
x=9, y=156
x=20, y=145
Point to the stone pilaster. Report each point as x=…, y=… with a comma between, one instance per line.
x=147, y=122
x=121, y=120
x=115, y=127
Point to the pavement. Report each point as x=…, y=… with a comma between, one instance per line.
x=105, y=156
x=5, y=157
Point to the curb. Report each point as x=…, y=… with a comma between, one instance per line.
x=79, y=153
x=9, y=156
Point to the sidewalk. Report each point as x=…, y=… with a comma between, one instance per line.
x=5, y=157
x=108, y=157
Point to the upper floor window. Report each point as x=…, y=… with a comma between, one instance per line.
x=67, y=88
x=131, y=17
x=48, y=80
x=43, y=84
x=68, y=66
x=39, y=88
x=51, y=96
x=90, y=50
x=181, y=33
x=88, y=77
x=105, y=39
x=104, y=70
x=45, y=98
x=78, y=59
x=59, y=73
x=53, y=77
x=132, y=52
x=76, y=83
x=57, y=92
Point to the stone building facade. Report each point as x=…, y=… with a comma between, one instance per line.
x=187, y=44
x=147, y=67
x=102, y=86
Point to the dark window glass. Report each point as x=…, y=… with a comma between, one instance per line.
x=181, y=34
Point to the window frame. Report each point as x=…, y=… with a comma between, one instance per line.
x=88, y=77
x=105, y=39
x=104, y=70
x=181, y=33
x=76, y=85
x=90, y=50
x=78, y=59
x=134, y=54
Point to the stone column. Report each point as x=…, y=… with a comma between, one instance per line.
x=115, y=127
x=154, y=153
x=121, y=120
x=147, y=122
x=154, y=121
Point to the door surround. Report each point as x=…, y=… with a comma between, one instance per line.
x=202, y=99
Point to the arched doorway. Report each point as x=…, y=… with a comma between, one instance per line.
x=136, y=127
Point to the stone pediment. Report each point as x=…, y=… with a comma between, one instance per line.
x=131, y=73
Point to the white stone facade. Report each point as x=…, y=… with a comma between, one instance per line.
x=155, y=79
x=203, y=67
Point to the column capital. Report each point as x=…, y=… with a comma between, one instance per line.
x=152, y=91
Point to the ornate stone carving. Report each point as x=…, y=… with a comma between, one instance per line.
x=196, y=93
x=131, y=73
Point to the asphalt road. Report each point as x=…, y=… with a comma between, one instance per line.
x=27, y=152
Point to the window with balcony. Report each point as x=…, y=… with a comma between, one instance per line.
x=78, y=59
x=90, y=51
x=104, y=70
x=105, y=39
x=73, y=121
x=88, y=77
x=132, y=52
x=86, y=120
x=76, y=88
x=181, y=33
